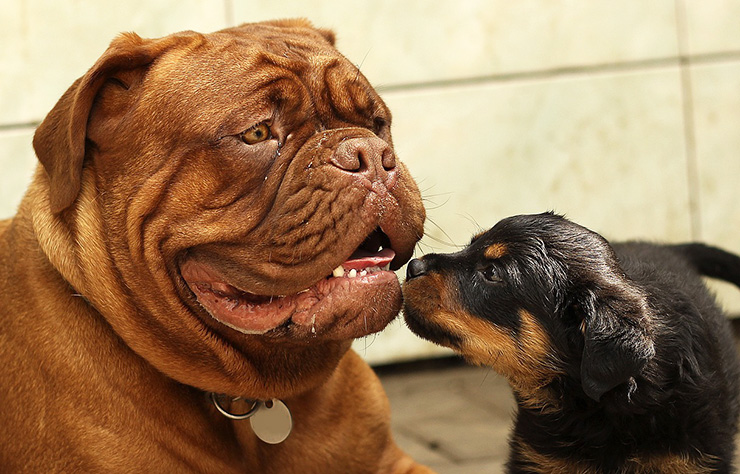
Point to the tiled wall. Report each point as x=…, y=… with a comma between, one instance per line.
x=623, y=115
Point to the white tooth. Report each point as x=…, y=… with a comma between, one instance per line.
x=338, y=272
x=387, y=267
x=352, y=273
x=363, y=273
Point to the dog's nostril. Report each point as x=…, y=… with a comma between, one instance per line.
x=388, y=159
x=415, y=269
x=363, y=155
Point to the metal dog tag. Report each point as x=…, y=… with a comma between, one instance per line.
x=272, y=421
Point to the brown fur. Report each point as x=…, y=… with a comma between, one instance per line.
x=526, y=359
x=496, y=250
x=106, y=355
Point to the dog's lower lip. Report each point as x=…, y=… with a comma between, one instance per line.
x=315, y=308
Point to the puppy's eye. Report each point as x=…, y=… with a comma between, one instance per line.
x=489, y=273
x=256, y=134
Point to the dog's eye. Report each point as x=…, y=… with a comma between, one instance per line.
x=489, y=273
x=379, y=123
x=256, y=134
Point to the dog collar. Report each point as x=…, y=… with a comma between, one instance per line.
x=271, y=419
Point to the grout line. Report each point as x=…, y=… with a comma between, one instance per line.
x=692, y=163
x=682, y=61
x=429, y=445
x=626, y=66
x=535, y=74
x=718, y=56
x=9, y=127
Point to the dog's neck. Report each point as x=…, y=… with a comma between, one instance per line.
x=270, y=420
x=543, y=399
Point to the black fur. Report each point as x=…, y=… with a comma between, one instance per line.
x=647, y=366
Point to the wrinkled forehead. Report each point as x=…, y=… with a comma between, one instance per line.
x=257, y=68
x=299, y=50
x=223, y=58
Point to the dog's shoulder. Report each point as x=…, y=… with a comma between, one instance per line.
x=672, y=283
x=644, y=260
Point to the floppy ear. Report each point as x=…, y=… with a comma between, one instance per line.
x=617, y=340
x=59, y=140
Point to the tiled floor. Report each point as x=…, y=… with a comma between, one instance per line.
x=450, y=416
x=453, y=417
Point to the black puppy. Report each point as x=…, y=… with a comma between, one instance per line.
x=620, y=360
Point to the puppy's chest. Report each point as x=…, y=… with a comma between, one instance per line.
x=607, y=459
x=569, y=443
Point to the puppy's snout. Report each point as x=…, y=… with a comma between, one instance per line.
x=415, y=268
x=368, y=156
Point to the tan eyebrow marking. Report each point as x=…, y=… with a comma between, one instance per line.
x=496, y=250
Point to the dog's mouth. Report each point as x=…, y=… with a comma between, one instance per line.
x=358, y=298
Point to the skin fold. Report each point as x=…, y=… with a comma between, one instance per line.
x=194, y=197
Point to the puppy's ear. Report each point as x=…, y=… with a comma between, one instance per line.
x=59, y=140
x=618, y=344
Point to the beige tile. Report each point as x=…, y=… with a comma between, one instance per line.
x=413, y=41
x=494, y=466
x=17, y=163
x=463, y=414
x=467, y=433
x=419, y=451
x=728, y=297
x=717, y=122
x=712, y=26
x=606, y=150
x=45, y=45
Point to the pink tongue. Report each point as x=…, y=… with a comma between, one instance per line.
x=358, y=261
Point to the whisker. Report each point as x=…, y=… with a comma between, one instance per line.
x=472, y=220
x=428, y=197
x=359, y=66
x=449, y=242
x=435, y=205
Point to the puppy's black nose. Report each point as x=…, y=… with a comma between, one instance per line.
x=415, y=268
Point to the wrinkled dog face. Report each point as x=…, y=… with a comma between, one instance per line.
x=247, y=183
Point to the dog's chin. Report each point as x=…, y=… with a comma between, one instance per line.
x=426, y=329
x=360, y=299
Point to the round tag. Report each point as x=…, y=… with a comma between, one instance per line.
x=272, y=421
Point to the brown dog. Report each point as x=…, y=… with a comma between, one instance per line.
x=215, y=213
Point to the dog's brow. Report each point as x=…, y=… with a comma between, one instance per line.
x=477, y=236
x=496, y=250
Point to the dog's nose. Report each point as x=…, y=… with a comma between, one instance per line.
x=368, y=155
x=415, y=268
